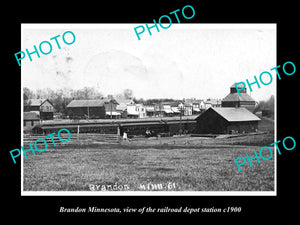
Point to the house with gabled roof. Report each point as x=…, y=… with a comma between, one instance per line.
x=42, y=107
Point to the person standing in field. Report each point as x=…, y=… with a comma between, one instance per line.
x=125, y=138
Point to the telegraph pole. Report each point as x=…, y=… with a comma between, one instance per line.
x=180, y=115
x=111, y=108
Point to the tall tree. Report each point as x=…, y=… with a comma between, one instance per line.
x=128, y=93
x=27, y=95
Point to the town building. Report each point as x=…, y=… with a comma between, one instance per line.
x=163, y=109
x=175, y=109
x=93, y=109
x=122, y=106
x=158, y=110
x=188, y=109
x=167, y=109
x=110, y=105
x=30, y=119
x=136, y=111
x=42, y=107
x=212, y=102
x=150, y=110
x=234, y=100
x=141, y=109
x=198, y=105
x=218, y=120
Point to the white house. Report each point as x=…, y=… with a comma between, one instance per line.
x=122, y=106
x=188, y=109
x=136, y=111
x=141, y=109
x=202, y=105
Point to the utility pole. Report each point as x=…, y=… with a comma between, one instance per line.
x=111, y=108
x=180, y=126
x=180, y=115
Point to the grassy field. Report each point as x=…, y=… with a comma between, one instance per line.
x=188, y=167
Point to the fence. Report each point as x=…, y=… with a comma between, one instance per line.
x=184, y=140
x=82, y=138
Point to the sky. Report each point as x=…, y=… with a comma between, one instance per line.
x=187, y=60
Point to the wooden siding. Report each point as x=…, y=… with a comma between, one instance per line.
x=92, y=112
x=212, y=123
x=46, y=115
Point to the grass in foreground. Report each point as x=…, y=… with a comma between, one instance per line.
x=190, y=169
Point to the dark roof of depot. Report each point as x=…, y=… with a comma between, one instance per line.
x=88, y=103
x=30, y=116
x=232, y=114
x=234, y=97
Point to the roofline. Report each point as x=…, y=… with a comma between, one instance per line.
x=46, y=99
x=258, y=119
x=212, y=108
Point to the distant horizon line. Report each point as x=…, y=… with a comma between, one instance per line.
x=34, y=90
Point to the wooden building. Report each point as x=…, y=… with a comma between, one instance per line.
x=30, y=119
x=198, y=105
x=234, y=100
x=122, y=106
x=110, y=106
x=42, y=107
x=150, y=110
x=94, y=109
x=212, y=102
x=188, y=109
x=226, y=120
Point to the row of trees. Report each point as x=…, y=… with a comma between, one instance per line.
x=266, y=105
x=60, y=98
x=153, y=101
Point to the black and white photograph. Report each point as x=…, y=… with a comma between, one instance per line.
x=120, y=109
x=177, y=112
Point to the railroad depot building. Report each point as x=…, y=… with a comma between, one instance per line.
x=93, y=109
x=234, y=100
x=226, y=120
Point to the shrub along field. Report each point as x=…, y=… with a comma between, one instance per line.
x=188, y=167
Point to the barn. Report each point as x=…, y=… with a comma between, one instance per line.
x=226, y=120
x=86, y=109
x=93, y=109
